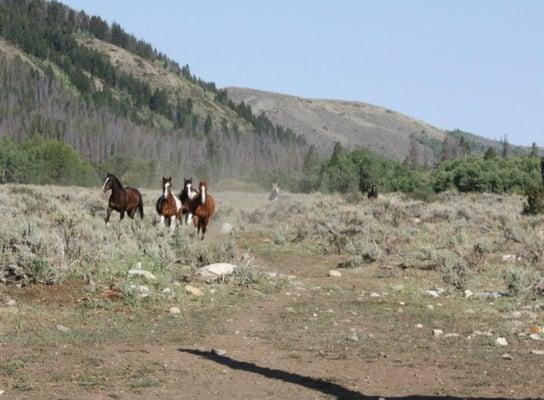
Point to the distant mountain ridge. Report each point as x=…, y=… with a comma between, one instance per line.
x=323, y=122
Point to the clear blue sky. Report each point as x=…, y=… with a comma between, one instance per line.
x=473, y=65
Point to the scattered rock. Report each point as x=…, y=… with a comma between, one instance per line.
x=334, y=273
x=434, y=292
x=500, y=341
x=141, y=272
x=374, y=294
x=437, y=333
x=479, y=333
x=143, y=291
x=193, y=290
x=226, y=228
x=507, y=356
x=402, y=303
x=174, y=310
x=451, y=335
x=167, y=291
x=538, y=352
x=352, y=337
x=213, y=272
x=535, y=336
x=11, y=303
x=418, y=326
x=430, y=307
x=63, y=329
x=511, y=258
x=219, y=352
x=1, y=392
x=490, y=295
x=290, y=309
x=468, y=293
x=416, y=221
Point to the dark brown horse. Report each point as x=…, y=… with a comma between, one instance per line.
x=202, y=207
x=373, y=192
x=186, y=196
x=122, y=199
x=168, y=206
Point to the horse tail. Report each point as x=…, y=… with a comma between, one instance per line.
x=141, y=206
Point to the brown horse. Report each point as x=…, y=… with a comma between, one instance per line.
x=202, y=207
x=122, y=199
x=168, y=206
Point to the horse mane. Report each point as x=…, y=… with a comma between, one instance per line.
x=114, y=178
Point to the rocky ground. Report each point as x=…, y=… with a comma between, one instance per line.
x=310, y=310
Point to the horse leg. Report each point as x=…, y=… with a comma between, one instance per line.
x=162, y=220
x=131, y=213
x=108, y=214
x=122, y=215
x=173, y=224
x=204, y=227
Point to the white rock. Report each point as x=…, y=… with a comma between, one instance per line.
x=507, y=356
x=402, y=303
x=11, y=303
x=468, y=293
x=418, y=326
x=500, y=341
x=334, y=273
x=538, y=352
x=1, y=392
x=353, y=337
x=451, y=335
x=141, y=272
x=437, y=333
x=174, y=310
x=434, y=292
x=398, y=288
x=63, y=329
x=374, y=294
x=430, y=307
x=479, y=333
x=215, y=271
x=535, y=336
x=226, y=228
x=219, y=352
x=510, y=258
x=193, y=290
x=167, y=291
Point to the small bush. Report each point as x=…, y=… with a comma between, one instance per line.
x=535, y=201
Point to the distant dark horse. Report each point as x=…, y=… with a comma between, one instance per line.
x=122, y=199
x=202, y=207
x=373, y=192
x=168, y=206
x=186, y=196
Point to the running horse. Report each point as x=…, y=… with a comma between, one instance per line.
x=122, y=199
x=168, y=206
x=202, y=207
x=186, y=196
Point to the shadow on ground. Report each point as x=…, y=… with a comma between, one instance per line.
x=320, y=385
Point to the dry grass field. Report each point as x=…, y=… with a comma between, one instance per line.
x=422, y=297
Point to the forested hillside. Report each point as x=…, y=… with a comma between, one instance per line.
x=121, y=104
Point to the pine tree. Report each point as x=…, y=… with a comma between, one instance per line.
x=310, y=160
x=534, y=150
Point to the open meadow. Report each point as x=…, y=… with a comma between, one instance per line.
x=332, y=298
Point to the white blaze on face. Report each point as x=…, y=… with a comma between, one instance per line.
x=105, y=183
x=203, y=194
x=167, y=189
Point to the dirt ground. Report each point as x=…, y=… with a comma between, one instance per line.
x=300, y=334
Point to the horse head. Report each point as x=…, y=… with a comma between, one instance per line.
x=166, y=184
x=187, y=184
x=107, y=182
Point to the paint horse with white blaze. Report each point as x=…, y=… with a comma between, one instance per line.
x=186, y=196
x=202, y=207
x=168, y=206
x=122, y=199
